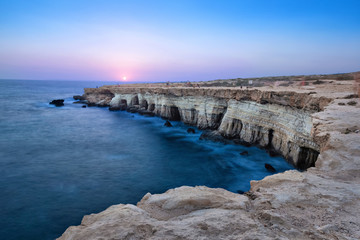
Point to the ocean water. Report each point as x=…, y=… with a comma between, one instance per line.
x=59, y=164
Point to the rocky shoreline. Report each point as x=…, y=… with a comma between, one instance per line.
x=307, y=128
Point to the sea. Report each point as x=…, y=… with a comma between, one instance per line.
x=58, y=164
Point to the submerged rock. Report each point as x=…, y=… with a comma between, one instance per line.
x=57, y=102
x=244, y=153
x=167, y=124
x=269, y=168
x=190, y=130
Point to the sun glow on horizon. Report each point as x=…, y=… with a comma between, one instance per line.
x=124, y=78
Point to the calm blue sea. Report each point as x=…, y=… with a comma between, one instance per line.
x=58, y=164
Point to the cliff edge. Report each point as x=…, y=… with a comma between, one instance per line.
x=322, y=202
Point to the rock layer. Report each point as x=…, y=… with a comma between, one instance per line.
x=278, y=120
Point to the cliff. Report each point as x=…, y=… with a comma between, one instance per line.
x=280, y=121
x=322, y=202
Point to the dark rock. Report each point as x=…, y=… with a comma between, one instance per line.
x=352, y=103
x=240, y=192
x=262, y=101
x=78, y=97
x=190, y=130
x=269, y=167
x=57, y=102
x=272, y=153
x=341, y=103
x=83, y=106
x=213, y=136
x=146, y=113
x=91, y=104
x=168, y=124
x=244, y=153
x=123, y=106
x=241, y=142
x=132, y=109
x=351, y=96
x=114, y=109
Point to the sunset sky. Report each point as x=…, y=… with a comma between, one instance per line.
x=180, y=40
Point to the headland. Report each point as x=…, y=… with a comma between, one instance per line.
x=313, y=121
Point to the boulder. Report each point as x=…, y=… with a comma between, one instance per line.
x=83, y=106
x=270, y=168
x=57, y=102
x=167, y=124
x=190, y=130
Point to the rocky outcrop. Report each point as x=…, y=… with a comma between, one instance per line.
x=280, y=121
x=57, y=102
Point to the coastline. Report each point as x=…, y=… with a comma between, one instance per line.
x=322, y=202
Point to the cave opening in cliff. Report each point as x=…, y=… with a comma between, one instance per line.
x=144, y=104
x=151, y=107
x=134, y=100
x=174, y=114
x=271, y=135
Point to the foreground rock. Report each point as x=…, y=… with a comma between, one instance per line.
x=57, y=102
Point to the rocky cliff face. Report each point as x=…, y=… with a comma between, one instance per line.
x=279, y=121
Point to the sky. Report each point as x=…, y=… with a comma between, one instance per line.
x=180, y=40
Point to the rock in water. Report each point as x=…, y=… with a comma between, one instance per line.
x=269, y=167
x=58, y=102
x=244, y=153
x=78, y=97
x=83, y=106
x=168, y=124
x=114, y=108
x=191, y=130
x=272, y=153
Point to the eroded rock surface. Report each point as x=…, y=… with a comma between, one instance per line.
x=276, y=120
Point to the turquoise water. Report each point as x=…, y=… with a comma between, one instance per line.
x=58, y=164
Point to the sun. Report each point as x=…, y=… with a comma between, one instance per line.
x=124, y=78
